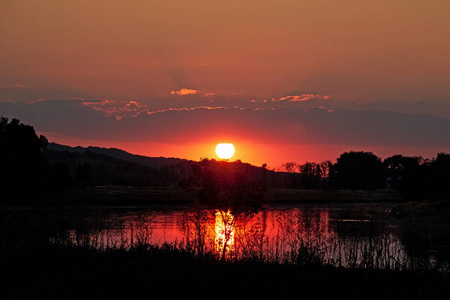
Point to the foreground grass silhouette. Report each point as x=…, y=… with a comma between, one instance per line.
x=55, y=272
x=34, y=268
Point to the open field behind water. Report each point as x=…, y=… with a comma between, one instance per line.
x=127, y=195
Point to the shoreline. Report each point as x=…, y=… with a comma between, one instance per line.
x=131, y=196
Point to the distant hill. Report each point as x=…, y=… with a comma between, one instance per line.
x=102, y=166
x=155, y=162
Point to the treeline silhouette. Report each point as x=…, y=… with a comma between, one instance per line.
x=413, y=176
x=30, y=170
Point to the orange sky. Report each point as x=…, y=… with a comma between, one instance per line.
x=137, y=60
x=274, y=155
x=142, y=50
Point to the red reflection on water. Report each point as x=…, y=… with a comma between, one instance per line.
x=293, y=235
x=224, y=232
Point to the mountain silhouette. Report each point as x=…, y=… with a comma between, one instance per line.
x=155, y=162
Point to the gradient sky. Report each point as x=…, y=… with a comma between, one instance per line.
x=285, y=80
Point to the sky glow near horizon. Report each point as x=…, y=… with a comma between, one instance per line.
x=296, y=80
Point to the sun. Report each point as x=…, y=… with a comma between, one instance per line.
x=225, y=150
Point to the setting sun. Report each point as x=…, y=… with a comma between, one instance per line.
x=225, y=150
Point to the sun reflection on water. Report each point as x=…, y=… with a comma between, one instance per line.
x=224, y=232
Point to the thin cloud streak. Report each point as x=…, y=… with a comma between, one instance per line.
x=299, y=98
x=184, y=92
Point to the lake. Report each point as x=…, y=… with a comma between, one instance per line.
x=348, y=235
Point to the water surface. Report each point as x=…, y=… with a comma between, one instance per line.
x=349, y=235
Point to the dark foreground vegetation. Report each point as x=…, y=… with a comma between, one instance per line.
x=148, y=272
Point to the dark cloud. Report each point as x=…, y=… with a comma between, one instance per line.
x=23, y=92
x=359, y=128
x=435, y=107
x=68, y=117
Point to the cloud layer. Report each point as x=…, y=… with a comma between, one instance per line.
x=133, y=122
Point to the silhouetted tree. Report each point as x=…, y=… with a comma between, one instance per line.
x=316, y=175
x=440, y=176
x=225, y=185
x=418, y=178
x=289, y=167
x=310, y=175
x=359, y=170
x=401, y=170
x=22, y=165
x=290, y=176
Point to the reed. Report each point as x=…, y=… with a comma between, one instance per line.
x=294, y=240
